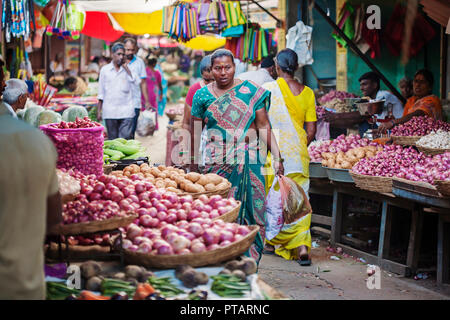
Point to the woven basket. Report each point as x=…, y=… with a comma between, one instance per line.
x=405, y=141
x=230, y=216
x=432, y=151
x=201, y=259
x=222, y=192
x=372, y=183
x=443, y=186
x=93, y=226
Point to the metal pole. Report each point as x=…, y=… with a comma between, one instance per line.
x=352, y=45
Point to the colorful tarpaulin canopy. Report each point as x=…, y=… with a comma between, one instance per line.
x=98, y=25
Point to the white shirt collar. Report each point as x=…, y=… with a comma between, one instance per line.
x=10, y=109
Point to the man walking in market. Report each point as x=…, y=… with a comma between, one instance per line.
x=115, y=95
x=137, y=67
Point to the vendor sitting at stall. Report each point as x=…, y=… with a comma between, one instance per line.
x=369, y=84
x=422, y=103
x=73, y=86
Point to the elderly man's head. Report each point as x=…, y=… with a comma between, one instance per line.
x=16, y=93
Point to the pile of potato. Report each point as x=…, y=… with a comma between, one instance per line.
x=176, y=180
x=346, y=160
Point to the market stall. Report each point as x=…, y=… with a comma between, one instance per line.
x=149, y=217
x=411, y=174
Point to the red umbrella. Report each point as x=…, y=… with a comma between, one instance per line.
x=98, y=25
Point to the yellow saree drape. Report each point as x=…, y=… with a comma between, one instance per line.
x=300, y=108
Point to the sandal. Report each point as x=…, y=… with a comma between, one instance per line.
x=304, y=263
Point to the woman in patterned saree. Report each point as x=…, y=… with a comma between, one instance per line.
x=292, y=110
x=422, y=103
x=235, y=115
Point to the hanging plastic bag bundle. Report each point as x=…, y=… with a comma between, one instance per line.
x=146, y=123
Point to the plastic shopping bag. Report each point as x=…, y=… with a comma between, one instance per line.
x=146, y=123
x=299, y=40
x=323, y=130
x=274, y=212
x=293, y=199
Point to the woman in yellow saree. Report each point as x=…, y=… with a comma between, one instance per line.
x=292, y=107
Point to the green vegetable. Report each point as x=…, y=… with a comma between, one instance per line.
x=121, y=140
x=71, y=113
x=110, y=287
x=165, y=286
x=31, y=114
x=114, y=154
x=46, y=117
x=132, y=142
x=126, y=149
x=139, y=154
x=92, y=114
x=226, y=285
x=59, y=291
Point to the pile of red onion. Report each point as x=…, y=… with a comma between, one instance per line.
x=320, y=112
x=428, y=169
x=184, y=237
x=419, y=126
x=156, y=207
x=333, y=94
x=341, y=143
x=79, y=146
x=77, y=124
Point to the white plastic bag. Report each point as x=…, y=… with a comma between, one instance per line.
x=274, y=215
x=299, y=40
x=146, y=123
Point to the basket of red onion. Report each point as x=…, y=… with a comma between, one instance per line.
x=82, y=216
x=411, y=131
x=79, y=145
x=197, y=243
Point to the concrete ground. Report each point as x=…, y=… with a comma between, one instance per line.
x=325, y=279
x=345, y=279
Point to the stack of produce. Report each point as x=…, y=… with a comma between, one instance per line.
x=184, y=237
x=175, y=180
x=102, y=198
x=346, y=160
x=68, y=185
x=439, y=139
x=80, y=147
x=389, y=162
x=320, y=112
x=428, y=169
x=337, y=105
x=122, y=149
x=342, y=143
x=333, y=94
x=419, y=126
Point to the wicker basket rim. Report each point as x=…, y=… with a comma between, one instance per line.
x=431, y=149
x=417, y=183
x=363, y=176
x=254, y=230
x=67, y=228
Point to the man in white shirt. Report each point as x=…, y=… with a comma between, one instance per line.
x=267, y=72
x=115, y=95
x=369, y=83
x=15, y=95
x=137, y=67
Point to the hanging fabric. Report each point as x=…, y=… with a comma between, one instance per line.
x=17, y=17
x=235, y=19
x=253, y=46
x=180, y=21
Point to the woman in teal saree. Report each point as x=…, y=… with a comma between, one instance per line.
x=235, y=114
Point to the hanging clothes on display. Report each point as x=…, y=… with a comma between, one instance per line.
x=346, y=24
x=180, y=21
x=212, y=17
x=252, y=46
x=64, y=22
x=422, y=32
x=235, y=19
